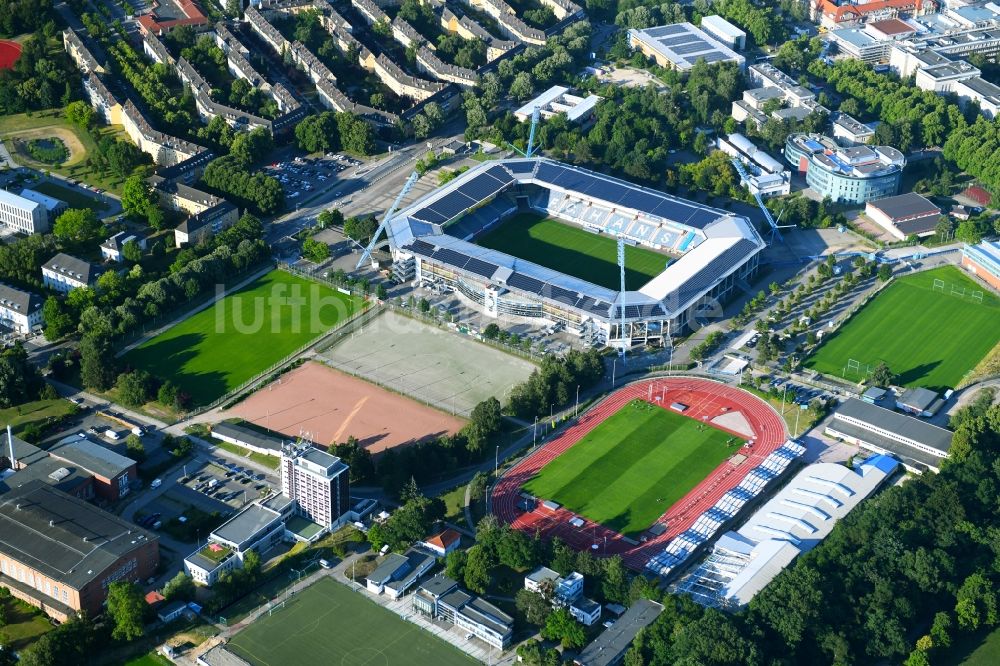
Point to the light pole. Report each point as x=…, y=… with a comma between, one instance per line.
x=576, y=410
x=614, y=366
x=534, y=435
x=783, y=392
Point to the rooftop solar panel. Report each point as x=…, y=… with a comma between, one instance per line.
x=480, y=267
x=694, y=47
x=421, y=247
x=525, y=283
x=452, y=204
x=686, y=38
x=666, y=30
x=710, y=57
x=500, y=174
x=451, y=257
x=428, y=215
x=521, y=167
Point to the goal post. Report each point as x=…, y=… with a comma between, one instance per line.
x=938, y=285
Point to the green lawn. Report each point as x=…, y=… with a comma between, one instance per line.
x=928, y=338
x=219, y=348
x=38, y=410
x=49, y=123
x=573, y=250
x=328, y=623
x=151, y=659
x=73, y=198
x=260, y=458
x=981, y=648
x=24, y=623
x=632, y=467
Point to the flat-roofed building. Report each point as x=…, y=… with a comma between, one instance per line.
x=920, y=446
x=851, y=132
x=919, y=401
x=850, y=175
x=680, y=45
x=905, y=215
x=318, y=482
x=248, y=438
x=610, y=647
x=724, y=31
x=112, y=472
x=794, y=521
x=20, y=311
x=59, y=553
x=559, y=99
x=53, y=206
x=766, y=176
x=442, y=599
x=22, y=214
x=64, y=273
x=981, y=92
x=983, y=261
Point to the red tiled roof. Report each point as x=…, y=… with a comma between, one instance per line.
x=154, y=597
x=444, y=539
x=892, y=26
x=845, y=12
x=192, y=11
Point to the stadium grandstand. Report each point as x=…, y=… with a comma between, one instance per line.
x=707, y=251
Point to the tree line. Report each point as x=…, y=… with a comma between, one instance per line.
x=40, y=79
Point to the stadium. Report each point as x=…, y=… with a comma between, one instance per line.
x=652, y=473
x=692, y=255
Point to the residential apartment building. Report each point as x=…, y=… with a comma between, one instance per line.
x=564, y=591
x=20, y=311
x=775, y=95
x=60, y=553
x=64, y=273
x=318, y=482
x=111, y=249
x=23, y=214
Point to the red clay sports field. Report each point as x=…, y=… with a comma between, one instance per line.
x=706, y=400
x=9, y=53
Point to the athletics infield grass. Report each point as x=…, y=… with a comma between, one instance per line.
x=927, y=336
x=632, y=467
x=327, y=623
x=219, y=348
x=572, y=250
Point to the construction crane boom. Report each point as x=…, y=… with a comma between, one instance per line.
x=385, y=218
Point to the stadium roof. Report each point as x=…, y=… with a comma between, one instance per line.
x=713, y=242
x=63, y=537
x=795, y=520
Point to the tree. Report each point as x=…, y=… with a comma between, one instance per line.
x=234, y=8
x=884, y=272
x=180, y=587
x=977, y=603
x=561, y=626
x=522, y=86
x=134, y=448
x=315, y=251
x=58, y=320
x=360, y=229
x=134, y=388
x=492, y=331
x=533, y=605
x=331, y=217
x=454, y=565
x=253, y=146
x=131, y=251
x=97, y=362
x=969, y=232
x=125, y=607
x=477, y=569
x=80, y=114
x=883, y=376
x=77, y=225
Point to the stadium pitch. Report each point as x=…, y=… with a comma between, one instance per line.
x=634, y=466
x=927, y=327
x=217, y=349
x=327, y=623
x=573, y=250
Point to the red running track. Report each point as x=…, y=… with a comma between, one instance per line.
x=9, y=53
x=706, y=400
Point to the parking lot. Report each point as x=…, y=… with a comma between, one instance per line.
x=303, y=175
x=215, y=486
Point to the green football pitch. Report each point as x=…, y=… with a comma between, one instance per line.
x=928, y=336
x=328, y=623
x=573, y=250
x=632, y=467
x=215, y=350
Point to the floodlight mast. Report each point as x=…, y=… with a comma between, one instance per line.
x=385, y=219
x=771, y=222
x=535, y=116
x=621, y=296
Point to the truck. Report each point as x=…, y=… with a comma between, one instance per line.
x=213, y=483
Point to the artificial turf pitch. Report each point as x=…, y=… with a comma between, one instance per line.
x=215, y=350
x=631, y=468
x=573, y=250
x=926, y=337
x=327, y=623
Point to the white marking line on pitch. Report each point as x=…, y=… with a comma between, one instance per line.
x=347, y=421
